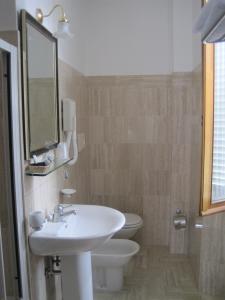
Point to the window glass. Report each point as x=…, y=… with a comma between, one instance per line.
x=218, y=172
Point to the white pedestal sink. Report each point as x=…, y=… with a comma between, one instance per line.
x=73, y=240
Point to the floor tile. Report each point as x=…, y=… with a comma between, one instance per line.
x=155, y=274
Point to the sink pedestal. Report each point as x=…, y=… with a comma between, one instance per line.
x=73, y=240
x=77, y=277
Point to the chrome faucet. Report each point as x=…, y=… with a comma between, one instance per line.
x=59, y=212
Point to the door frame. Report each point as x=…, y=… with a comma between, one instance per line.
x=17, y=166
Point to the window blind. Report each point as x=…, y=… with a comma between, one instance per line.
x=218, y=178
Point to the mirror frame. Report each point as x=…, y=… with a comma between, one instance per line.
x=26, y=18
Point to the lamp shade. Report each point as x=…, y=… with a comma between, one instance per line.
x=63, y=30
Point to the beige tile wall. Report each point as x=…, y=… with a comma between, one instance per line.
x=206, y=246
x=41, y=89
x=42, y=193
x=72, y=84
x=212, y=255
x=195, y=235
x=129, y=164
x=141, y=133
x=186, y=143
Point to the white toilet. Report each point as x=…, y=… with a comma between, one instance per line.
x=108, y=261
x=133, y=222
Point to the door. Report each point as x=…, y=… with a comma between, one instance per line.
x=9, y=263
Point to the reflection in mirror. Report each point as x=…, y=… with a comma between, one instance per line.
x=42, y=90
x=218, y=174
x=40, y=87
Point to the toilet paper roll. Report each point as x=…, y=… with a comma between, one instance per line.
x=180, y=221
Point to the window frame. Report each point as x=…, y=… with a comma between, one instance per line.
x=207, y=207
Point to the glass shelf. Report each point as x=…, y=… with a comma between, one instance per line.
x=43, y=171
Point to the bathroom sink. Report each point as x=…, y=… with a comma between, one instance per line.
x=90, y=227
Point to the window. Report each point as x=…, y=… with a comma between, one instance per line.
x=213, y=153
x=218, y=175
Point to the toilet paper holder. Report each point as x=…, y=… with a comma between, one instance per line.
x=180, y=220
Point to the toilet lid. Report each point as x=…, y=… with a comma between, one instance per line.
x=132, y=219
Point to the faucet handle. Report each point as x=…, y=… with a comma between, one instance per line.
x=50, y=217
x=67, y=205
x=59, y=209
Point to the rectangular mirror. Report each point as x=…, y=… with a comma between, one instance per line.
x=40, y=87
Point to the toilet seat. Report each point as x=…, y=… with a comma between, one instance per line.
x=132, y=220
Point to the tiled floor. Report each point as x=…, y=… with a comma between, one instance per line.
x=154, y=274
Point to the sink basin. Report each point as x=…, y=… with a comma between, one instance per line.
x=73, y=239
x=91, y=226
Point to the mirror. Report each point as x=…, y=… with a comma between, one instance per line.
x=40, y=87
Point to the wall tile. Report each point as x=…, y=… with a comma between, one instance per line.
x=97, y=181
x=157, y=157
x=156, y=220
x=206, y=246
x=96, y=130
x=136, y=158
x=116, y=182
x=115, y=130
x=156, y=183
x=44, y=193
x=136, y=130
x=158, y=130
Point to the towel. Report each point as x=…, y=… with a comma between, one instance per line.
x=210, y=14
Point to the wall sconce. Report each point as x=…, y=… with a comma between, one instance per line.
x=63, y=30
